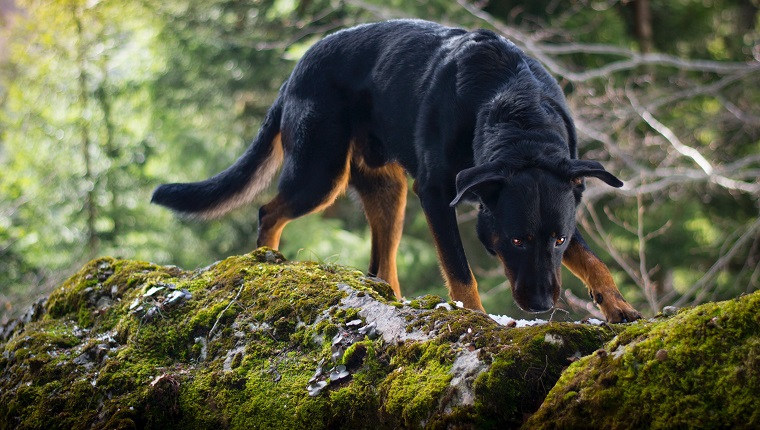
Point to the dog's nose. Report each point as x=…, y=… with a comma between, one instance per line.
x=539, y=303
x=535, y=297
x=536, y=293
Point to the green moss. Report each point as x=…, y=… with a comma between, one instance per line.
x=569, y=396
x=426, y=302
x=125, y=344
x=379, y=288
x=700, y=366
x=345, y=315
x=72, y=295
x=525, y=365
x=420, y=377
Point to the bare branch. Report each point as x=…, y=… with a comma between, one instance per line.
x=602, y=238
x=586, y=130
x=634, y=60
x=717, y=267
x=649, y=287
x=580, y=305
x=668, y=134
x=699, y=90
x=304, y=33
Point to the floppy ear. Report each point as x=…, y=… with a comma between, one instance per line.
x=593, y=169
x=471, y=183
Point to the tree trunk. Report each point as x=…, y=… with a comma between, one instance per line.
x=642, y=25
x=89, y=203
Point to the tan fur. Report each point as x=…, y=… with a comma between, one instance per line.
x=598, y=279
x=278, y=214
x=384, y=207
x=270, y=229
x=465, y=292
x=260, y=180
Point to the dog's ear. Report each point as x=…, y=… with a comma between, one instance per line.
x=592, y=169
x=476, y=183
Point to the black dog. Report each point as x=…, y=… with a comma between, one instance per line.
x=467, y=114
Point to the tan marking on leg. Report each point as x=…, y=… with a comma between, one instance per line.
x=277, y=213
x=277, y=216
x=384, y=207
x=599, y=282
x=339, y=187
x=465, y=292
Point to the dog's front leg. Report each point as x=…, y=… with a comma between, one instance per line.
x=443, y=224
x=601, y=287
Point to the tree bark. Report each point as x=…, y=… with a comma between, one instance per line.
x=89, y=203
x=642, y=25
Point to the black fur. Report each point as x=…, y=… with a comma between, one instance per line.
x=201, y=198
x=466, y=113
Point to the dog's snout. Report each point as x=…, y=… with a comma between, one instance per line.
x=538, y=303
x=536, y=295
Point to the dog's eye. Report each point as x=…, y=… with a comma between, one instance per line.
x=517, y=242
x=560, y=240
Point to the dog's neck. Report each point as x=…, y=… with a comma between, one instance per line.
x=523, y=125
x=518, y=146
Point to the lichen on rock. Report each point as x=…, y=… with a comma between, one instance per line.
x=697, y=369
x=255, y=341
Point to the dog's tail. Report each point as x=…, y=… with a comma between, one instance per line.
x=235, y=186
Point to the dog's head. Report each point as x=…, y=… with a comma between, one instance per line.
x=527, y=218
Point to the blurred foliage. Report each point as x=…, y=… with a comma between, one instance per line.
x=102, y=101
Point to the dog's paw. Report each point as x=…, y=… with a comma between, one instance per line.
x=468, y=295
x=616, y=309
x=475, y=305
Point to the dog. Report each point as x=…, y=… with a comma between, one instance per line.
x=467, y=115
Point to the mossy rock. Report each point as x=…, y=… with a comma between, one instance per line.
x=257, y=342
x=698, y=369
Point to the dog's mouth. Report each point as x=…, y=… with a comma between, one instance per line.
x=531, y=300
x=543, y=304
x=533, y=296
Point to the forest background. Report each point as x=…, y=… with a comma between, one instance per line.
x=100, y=101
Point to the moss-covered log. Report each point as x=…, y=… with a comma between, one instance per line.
x=257, y=342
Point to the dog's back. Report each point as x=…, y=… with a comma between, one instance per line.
x=410, y=85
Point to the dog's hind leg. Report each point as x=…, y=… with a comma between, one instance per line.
x=601, y=287
x=383, y=194
x=273, y=217
x=314, y=174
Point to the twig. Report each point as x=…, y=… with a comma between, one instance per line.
x=602, y=239
x=649, y=287
x=221, y=314
x=717, y=267
x=634, y=60
x=579, y=304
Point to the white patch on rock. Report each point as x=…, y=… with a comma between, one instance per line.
x=204, y=348
x=511, y=322
x=465, y=370
x=618, y=352
x=230, y=357
x=554, y=339
x=389, y=321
